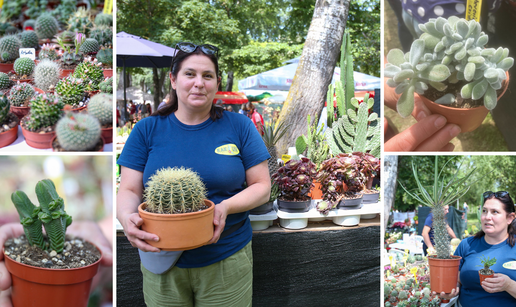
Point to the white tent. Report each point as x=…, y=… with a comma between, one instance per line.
x=280, y=79
x=135, y=94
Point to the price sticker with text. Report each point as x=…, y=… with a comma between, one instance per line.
x=108, y=6
x=28, y=53
x=473, y=9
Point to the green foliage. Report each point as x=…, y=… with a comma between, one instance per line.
x=64, y=10
x=80, y=21
x=487, y=262
x=78, y=131
x=314, y=143
x=20, y=94
x=35, y=8
x=45, y=111
x=5, y=105
x=101, y=107
x=11, y=9
x=4, y=80
x=103, y=35
x=24, y=66
x=70, y=90
x=46, y=74
x=9, y=46
x=28, y=214
x=46, y=26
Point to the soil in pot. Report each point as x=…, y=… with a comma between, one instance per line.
x=9, y=130
x=57, y=147
x=483, y=274
x=23, y=79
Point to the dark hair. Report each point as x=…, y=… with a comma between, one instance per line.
x=172, y=105
x=508, y=207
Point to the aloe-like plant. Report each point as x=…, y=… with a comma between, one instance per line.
x=487, y=263
x=440, y=194
x=50, y=214
x=449, y=51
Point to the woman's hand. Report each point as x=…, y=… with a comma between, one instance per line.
x=7, y=231
x=219, y=220
x=498, y=283
x=449, y=296
x=137, y=237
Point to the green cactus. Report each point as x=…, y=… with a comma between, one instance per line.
x=67, y=38
x=314, y=142
x=9, y=46
x=70, y=90
x=29, y=39
x=174, y=190
x=20, y=94
x=4, y=80
x=104, y=20
x=45, y=111
x=403, y=295
x=46, y=26
x=24, y=66
x=90, y=73
x=29, y=218
x=11, y=30
x=101, y=107
x=35, y=8
x=105, y=56
x=106, y=86
x=46, y=74
x=78, y=132
x=48, y=51
x=64, y=10
x=5, y=105
x=90, y=46
x=80, y=21
x=103, y=35
x=29, y=23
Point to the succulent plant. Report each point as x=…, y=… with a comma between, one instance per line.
x=368, y=164
x=67, y=38
x=45, y=111
x=46, y=26
x=314, y=143
x=21, y=94
x=9, y=46
x=106, y=86
x=103, y=35
x=90, y=73
x=104, y=20
x=5, y=106
x=29, y=39
x=11, y=30
x=105, y=56
x=48, y=51
x=80, y=21
x=487, y=263
x=295, y=179
x=50, y=214
x=78, y=131
x=174, y=190
x=450, y=51
x=270, y=137
x=402, y=295
x=64, y=10
x=46, y=74
x=24, y=66
x=70, y=90
x=68, y=57
x=35, y=8
x=90, y=46
x=4, y=80
x=101, y=107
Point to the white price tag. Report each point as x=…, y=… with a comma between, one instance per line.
x=28, y=53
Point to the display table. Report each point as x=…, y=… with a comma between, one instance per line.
x=402, y=246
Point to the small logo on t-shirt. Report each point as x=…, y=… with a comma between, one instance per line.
x=227, y=150
x=510, y=265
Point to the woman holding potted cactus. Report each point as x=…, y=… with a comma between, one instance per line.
x=226, y=150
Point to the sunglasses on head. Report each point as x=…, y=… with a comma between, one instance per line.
x=190, y=47
x=498, y=194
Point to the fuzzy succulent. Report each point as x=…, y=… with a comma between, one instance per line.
x=90, y=73
x=45, y=111
x=24, y=66
x=295, y=179
x=46, y=26
x=70, y=90
x=21, y=94
x=29, y=39
x=101, y=107
x=106, y=86
x=46, y=74
x=4, y=80
x=104, y=20
x=5, y=105
x=77, y=131
x=80, y=21
x=105, y=56
x=48, y=51
x=174, y=190
x=450, y=51
x=9, y=46
x=90, y=46
x=103, y=35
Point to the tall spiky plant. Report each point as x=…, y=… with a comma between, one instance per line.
x=440, y=195
x=270, y=137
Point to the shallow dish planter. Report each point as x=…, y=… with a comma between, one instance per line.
x=263, y=209
x=370, y=198
x=294, y=206
x=350, y=202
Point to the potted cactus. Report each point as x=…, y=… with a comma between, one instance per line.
x=38, y=125
x=176, y=210
x=91, y=73
x=46, y=27
x=78, y=132
x=46, y=75
x=69, y=59
x=8, y=123
x=295, y=180
x=106, y=86
x=101, y=107
x=105, y=56
x=90, y=47
x=48, y=51
x=60, y=280
x=19, y=96
x=486, y=272
x=451, y=70
x=23, y=67
x=9, y=46
x=5, y=82
x=71, y=91
x=29, y=39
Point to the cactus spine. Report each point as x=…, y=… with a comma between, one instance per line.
x=48, y=52
x=4, y=80
x=90, y=73
x=45, y=111
x=90, y=46
x=20, y=94
x=9, y=46
x=78, y=132
x=101, y=107
x=29, y=39
x=24, y=66
x=104, y=20
x=5, y=105
x=70, y=90
x=46, y=26
x=46, y=74
x=175, y=190
x=105, y=56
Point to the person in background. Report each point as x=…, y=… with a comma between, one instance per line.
x=229, y=108
x=243, y=110
x=255, y=117
x=164, y=102
x=428, y=232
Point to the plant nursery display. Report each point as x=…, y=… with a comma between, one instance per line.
x=451, y=70
x=176, y=210
x=55, y=268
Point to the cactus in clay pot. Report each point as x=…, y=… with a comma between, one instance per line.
x=29, y=39
x=45, y=111
x=24, y=66
x=46, y=74
x=29, y=24
x=70, y=90
x=48, y=51
x=106, y=86
x=46, y=26
x=487, y=263
x=78, y=132
x=174, y=190
x=5, y=105
x=9, y=46
x=4, y=80
x=20, y=94
x=104, y=20
x=105, y=56
x=101, y=107
x=90, y=46
x=90, y=73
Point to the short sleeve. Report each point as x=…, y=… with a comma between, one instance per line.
x=136, y=150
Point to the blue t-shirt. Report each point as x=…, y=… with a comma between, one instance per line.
x=219, y=151
x=471, y=292
x=429, y=222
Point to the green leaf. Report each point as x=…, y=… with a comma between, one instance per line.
x=405, y=104
x=438, y=86
x=417, y=49
x=469, y=71
x=505, y=64
x=437, y=73
x=404, y=74
x=490, y=98
x=396, y=57
x=391, y=70
x=479, y=90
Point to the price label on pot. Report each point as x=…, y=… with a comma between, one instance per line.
x=108, y=6
x=473, y=9
x=28, y=53
x=1, y=3
x=511, y=265
x=285, y=158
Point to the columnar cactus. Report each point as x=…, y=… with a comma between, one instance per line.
x=104, y=20
x=77, y=131
x=106, y=86
x=24, y=66
x=105, y=56
x=48, y=51
x=90, y=46
x=45, y=111
x=46, y=26
x=450, y=51
x=9, y=46
x=29, y=218
x=70, y=90
x=46, y=74
x=174, y=190
x=29, y=39
x=90, y=73
x=21, y=94
x=5, y=105
x=101, y=107
x=4, y=80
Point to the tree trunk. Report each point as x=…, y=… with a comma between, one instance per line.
x=162, y=77
x=313, y=75
x=389, y=188
x=229, y=83
x=157, y=86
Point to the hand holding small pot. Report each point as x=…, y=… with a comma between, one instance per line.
x=498, y=283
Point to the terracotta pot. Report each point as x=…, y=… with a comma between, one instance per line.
x=9, y=136
x=25, y=80
x=38, y=90
x=79, y=109
x=5, y=68
x=42, y=287
x=178, y=232
x=443, y=273
x=54, y=141
x=107, y=134
x=65, y=73
x=294, y=206
x=38, y=140
x=467, y=119
x=108, y=73
x=483, y=277
x=263, y=209
x=316, y=192
x=20, y=111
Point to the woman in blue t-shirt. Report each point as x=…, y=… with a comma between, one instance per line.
x=495, y=240
x=189, y=132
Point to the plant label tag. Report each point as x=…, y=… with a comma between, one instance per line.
x=28, y=53
x=510, y=265
x=108, y=6
x=285, y=158
x=473, y=8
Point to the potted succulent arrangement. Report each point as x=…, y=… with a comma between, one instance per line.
x=8, y=123
x=295, y=180
x=486, y=272
x=38, y=125
x=91, y=74
x=78, y=132
x=176, y=210
x=58, y=269
x=71, y=91
x=444, y=268
x=101, y=107
x=70, y=59
x=267, y=207
x=451, y=70
x=105, y=56
x=20, y=96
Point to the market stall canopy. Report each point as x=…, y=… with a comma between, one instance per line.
x=280, y=79
x=134, y=51
x=230, y=97
x=135, y=94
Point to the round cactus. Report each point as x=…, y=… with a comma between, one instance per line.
x=76, y=131
x=46, y=26
x=105, y=56
x=11, y=30
x=103, y=35
x=106, y=86
x=21, y=94
x=9, y=46
x=48, y=52
x=80, y=21
x=4, y=109
x=46, y=74
x=101, y=107
x=90, y=46
x=24, y=66
x=104, y=20
x=29, y=24
x=90, y=73
x=4, y=80
x=29, y=39
x=45, y=111
x=70, y=90
x=175, y=190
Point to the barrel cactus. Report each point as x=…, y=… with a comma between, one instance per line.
x=45, y=111
x=9, y=46
x=106, y=86
x=29, y=24
x=90, y=73
x=90, y=46
x=101, y=107
x=70, y=90
x=46, y=26
x=175, y=190
x=4, y=80
x=24, y=66
x=5, y=105
x=48, y=51
x=29, y=39
x=103, y=35
x=78, y=132
x=105, y=56
x=104, y=20
x=11, y=30
x=46, y=74
x=21, y=94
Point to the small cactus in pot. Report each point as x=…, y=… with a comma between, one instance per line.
x=21, y=94
x=105, y=56
x=5, y=106
x=68, y=57
x=29, y=39
x=106, y=86
x=24, y=67
x=487, y=263
x=90, y=46
x=4, y=81
x=70, y=90
x=46, y=75
x=48, y=51
x=101, y=107
x=9, y=46
x=78, y=132
x=90, y=73
x=104, y=20
x=46, y=26
x=45, y=111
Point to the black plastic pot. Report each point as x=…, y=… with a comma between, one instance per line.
x=263, y=209
x=370, y=198
x=355, y=202
x=294, y=206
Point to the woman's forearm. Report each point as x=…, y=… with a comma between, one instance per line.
x=253, y=196
x=127, y=203
x=511, y=288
